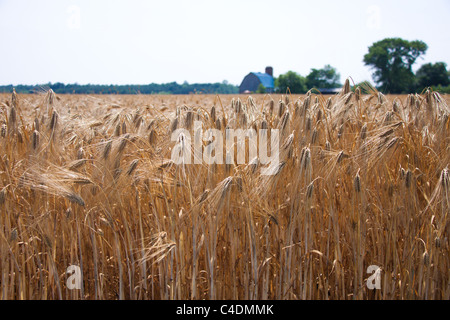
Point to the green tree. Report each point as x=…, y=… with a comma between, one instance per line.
x=366, y=87
x=432, y=75
x=295, y=82
x=392, y=59
x=442, y=89
x=327, y=77
x=261, y=88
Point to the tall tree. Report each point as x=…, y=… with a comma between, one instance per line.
x=392, y=59
x=327, y=77
x=295, y=82
x=261, y=88
x=432, y=74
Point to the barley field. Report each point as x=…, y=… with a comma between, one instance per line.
x=89, y=181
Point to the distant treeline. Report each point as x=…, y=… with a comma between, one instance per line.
x=153, y=88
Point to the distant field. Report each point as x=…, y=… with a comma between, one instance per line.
x=155, y=104
x=357, y=208
x=169, y=101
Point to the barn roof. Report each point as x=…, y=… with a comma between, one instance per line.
x=266, y=79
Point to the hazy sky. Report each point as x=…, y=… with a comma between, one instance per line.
x=138, y=42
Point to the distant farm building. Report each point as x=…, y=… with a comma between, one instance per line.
x=254, y=79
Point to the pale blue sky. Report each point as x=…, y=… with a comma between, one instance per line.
x=138, y=42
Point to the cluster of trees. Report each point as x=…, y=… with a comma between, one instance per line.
x=325, y=78
x=434, y=75
x=391, y=59
x=165, y=88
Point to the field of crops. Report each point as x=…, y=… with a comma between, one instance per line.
x=90, y=182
